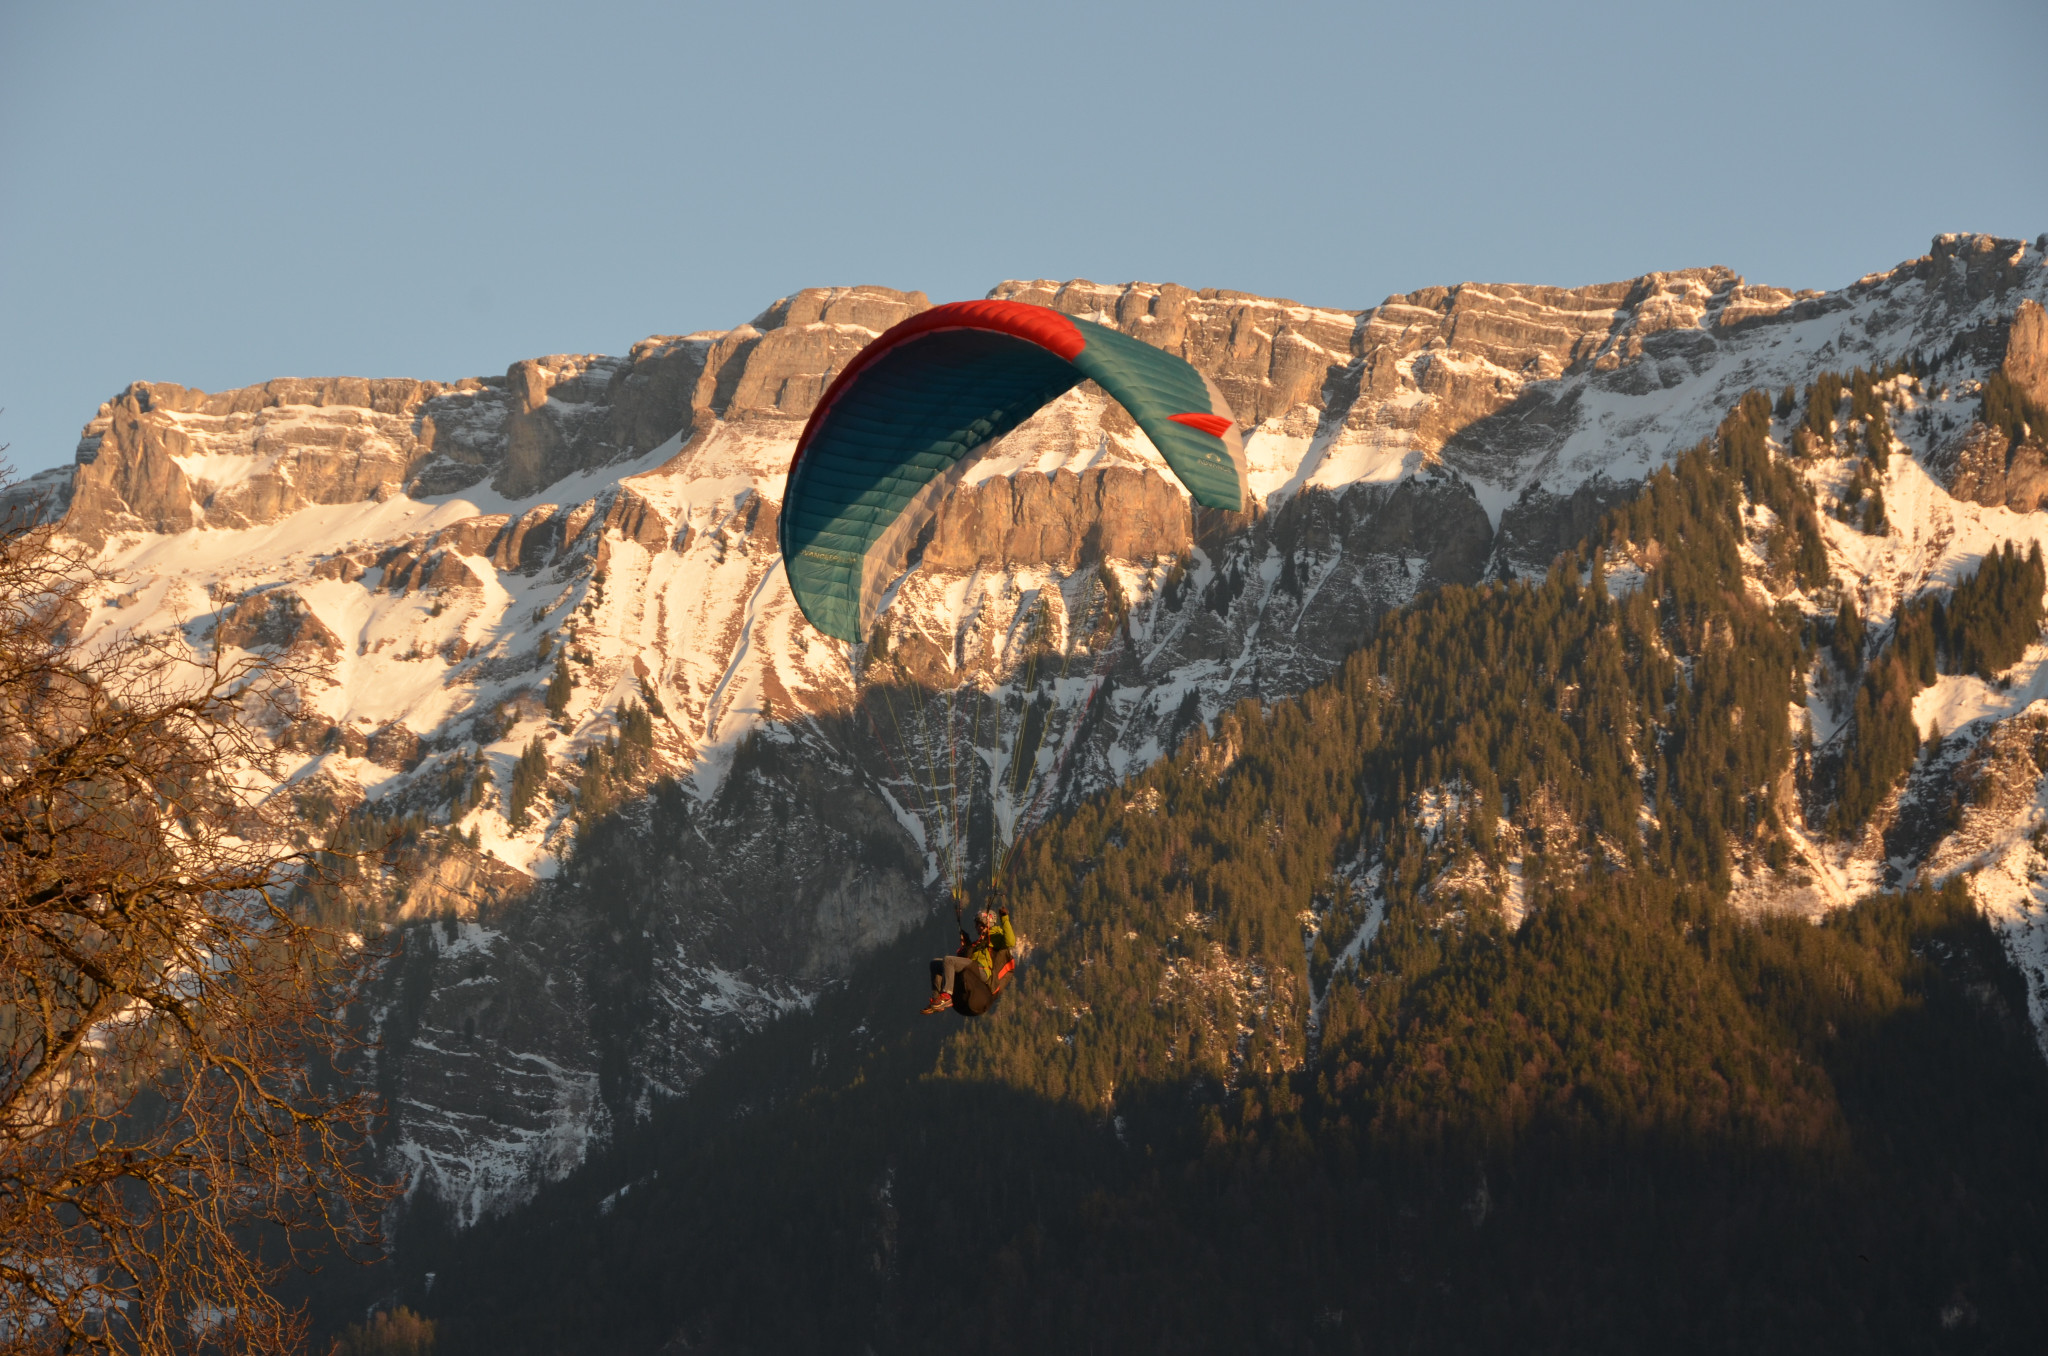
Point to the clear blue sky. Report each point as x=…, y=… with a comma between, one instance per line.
x=216, y=194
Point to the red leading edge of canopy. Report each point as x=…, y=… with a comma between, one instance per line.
x=1215, y=425
x=1040, y=325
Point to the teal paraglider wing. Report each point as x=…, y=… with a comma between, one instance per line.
x=917, y=406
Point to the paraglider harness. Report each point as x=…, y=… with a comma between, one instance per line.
x=974, y=992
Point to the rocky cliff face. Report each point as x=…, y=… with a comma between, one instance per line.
x=1988, y=465
x=436, y=554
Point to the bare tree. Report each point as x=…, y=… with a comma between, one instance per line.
x=175, y=1128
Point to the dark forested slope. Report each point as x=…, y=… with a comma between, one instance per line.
x=1566, y=1099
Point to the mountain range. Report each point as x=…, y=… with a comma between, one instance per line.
x=627, y=818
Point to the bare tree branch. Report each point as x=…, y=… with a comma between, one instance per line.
x=176, y=1119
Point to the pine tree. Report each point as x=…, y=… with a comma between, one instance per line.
x=529, y=777
x=1821, y=399
x=1993, y=616
x=2005, y=406
x=636, y=733
x=1847, y=645
x=1877, y=441
x=559, y=686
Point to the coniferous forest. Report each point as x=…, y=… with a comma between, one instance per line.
x=1566, y=1099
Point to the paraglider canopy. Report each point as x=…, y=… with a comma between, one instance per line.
x=919, y=405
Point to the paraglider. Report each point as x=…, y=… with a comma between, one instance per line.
x=972, y=978
x=914, y=409
x=895, y=432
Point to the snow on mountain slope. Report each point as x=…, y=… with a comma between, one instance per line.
x=430, y=553
x=1935, y=541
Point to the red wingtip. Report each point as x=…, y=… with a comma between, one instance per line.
x=1215, y=425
